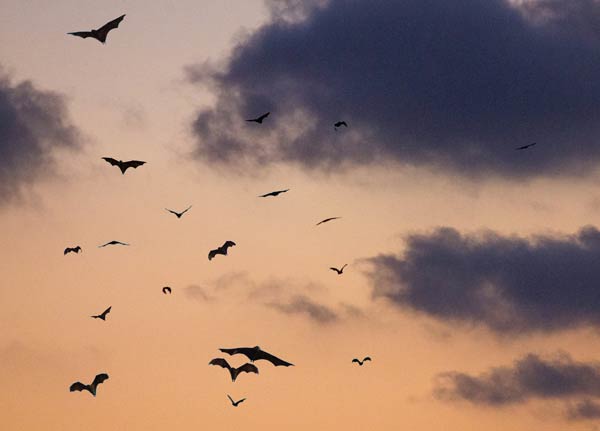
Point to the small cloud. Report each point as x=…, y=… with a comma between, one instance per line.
x=301, y=304
x=197, y=293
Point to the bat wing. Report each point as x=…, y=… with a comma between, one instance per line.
x=334, y=269
x=272, y=359
x=248, y=368
x=368, y=358
x=230, y=399
x=171, y=211
x=355, y=360
x=240, y=350
x=267, y=195
x=99, y=379
x=227, y=245
x=133, y=164
x=263, y=116
x=82, y=34
x=103, y=31
x=186, y=210
x=220, y=362
x=78, y=386
x=67, y=250
x=112, y=161
x=107, y=311
x=213, y=253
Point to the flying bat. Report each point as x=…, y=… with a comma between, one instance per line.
x=112, y=243
x=221, y=250
x=78, y=386
x=101, y=33
x=275, y=193
x=524, y=147
x=246, y=368
x=124, y=165
x=326, y=220
x=166, y=290
x=339, y=271
x=235, y=403
x=359, y=362
x=179, y=214
x=340, y=124
x=255, y=353
x=72, y=249
x=260, y=119
x=102, y=316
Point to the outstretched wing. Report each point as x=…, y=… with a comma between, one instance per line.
x=82, y=34
x=133, y=164
x=230, y=399
x=99, y=379
x=186, y=210
x=228, y=244
x=112, y=161
x=220, y=362
x=327, y=219
x=106, y=311
x=368, y=358
x=263, y=116
x=335, y=269
x=78, y=386
x=213, y=253
x=172, y=212
x=248, y=368
x=355, y=360
x=68, y=250
x=102, y=32
x=271, y=358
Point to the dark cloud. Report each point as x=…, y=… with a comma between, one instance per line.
x=33, y=123
x=531, y=377
x=198, y=293
x=452, y=85
x=584, y=410
x=506, y=283
x=301, y=304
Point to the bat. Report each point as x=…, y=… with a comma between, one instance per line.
x=221, y=250
x=179, y=214
x=235, y=403
x=340, y=124
x=260, y=119
x=123, y=166
x=78, y=386
x=326, y=220
x=359, y=362
x=101, y=33
x=246, y=368
x=112, y=243
x=524, y=147
x=275, y=193
x=166, y=290
x=72, y=249
x=102, y=316
x=339, y=271
x=255, y=354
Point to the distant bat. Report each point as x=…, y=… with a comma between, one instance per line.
x=101, y=33
x=275, y=193
x=235, y=403
x=72, y=249
x=78, y=386
x=221, y=250
x=255, y=353
x=339, y=271
x=260, y=119
x=102, y=316
x=246, y=368
x=340, y=124
x=113, y=243
x=179, y=214
x=166, y=290
x=123, y=165
x=359, y=362
x=524, y=147
x=326, y=220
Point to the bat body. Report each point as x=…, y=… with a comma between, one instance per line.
x=221, y=250
x=524, y=147
x=72, y=249
x=340, y=124
x=234, y=372
x=179, y=214
x=123, y=166
x=166, y=290
x=327, y=219
x=78, y=386
x=275, y=193
x=112, y=243
x=260, y=119
x=255, y=354
x=359, y=362
x=100, y=33
x=102, y=316
x=339, y=271
x=236, y=403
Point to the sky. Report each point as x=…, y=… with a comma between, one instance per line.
x=472, y=277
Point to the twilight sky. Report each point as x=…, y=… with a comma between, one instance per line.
x=472, y=281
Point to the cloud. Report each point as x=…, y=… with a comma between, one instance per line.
x=530, y=377
x=198, y=293
x=584, y=410
x=446, y=85
x=33, y=124
x=508, y=284
x=301, y=304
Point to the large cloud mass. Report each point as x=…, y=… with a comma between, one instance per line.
x=451, y=84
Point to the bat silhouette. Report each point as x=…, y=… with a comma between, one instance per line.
x=339, y=271
x=123, y=165
x=524, y=147
x=112, y=243
x=235, y=403
x=78, y=386
x=166, y=290
x=246, y=368
x=101, y=33
x=102, y=316
x=359, y=362
x=179, y=214
x=340, y=124
x=72, y=249
x=326, y=220
x=260, y=119
x=275, y=193
x=255, y=354
x=221, y=250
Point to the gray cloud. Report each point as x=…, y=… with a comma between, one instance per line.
x=584, y=410
x=451, y=85
x=198, y=293
x=301, y=304
x=33, y=123
x=505, y=283
x=530, y=377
